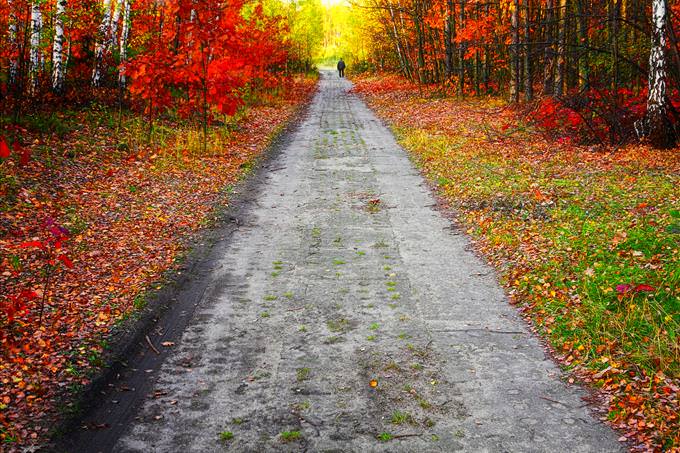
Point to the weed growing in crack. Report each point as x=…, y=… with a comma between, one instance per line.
x=302, y=406
x=399, y=418
x=302, y=374
x=332, y=340
x=425, y=404
x=385, y=437
x=290, y=436
x=226, y=436
x=338, y=325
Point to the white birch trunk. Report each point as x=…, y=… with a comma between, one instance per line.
x=34, y=54
x=100, y=46
x=124, y=33
x=13, y=46
x=656, y=125
x=113, y=29
x=58, y=48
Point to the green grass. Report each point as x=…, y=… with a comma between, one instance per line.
x=302, y=374
x=226, y=436
x=290, y=436
x=385, y=437
x=338, y=325
x=399, y=418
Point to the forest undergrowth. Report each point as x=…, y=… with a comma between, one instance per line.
x=94, y=212
x=584, y=238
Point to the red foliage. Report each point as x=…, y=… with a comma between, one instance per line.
x=4, y=149
x=208, y=57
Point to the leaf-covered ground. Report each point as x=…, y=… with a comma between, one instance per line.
x=586, y=241
x=129, y=209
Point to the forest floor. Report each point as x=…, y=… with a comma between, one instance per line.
x=345, y=313
x=586, y=240
x=92, y=216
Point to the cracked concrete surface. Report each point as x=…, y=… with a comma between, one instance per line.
x=344, y=274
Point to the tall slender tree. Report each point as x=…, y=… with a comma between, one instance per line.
x=101, y=44
x=35, y=57
x=514, y=52
x=656, y=125
x=58, y=48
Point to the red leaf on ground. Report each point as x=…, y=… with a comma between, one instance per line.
x=29, y=244
x=4, y=149
x=623, y=289
x=66, y=260
x=644, y=288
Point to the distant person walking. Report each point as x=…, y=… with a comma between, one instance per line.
x=341, y=68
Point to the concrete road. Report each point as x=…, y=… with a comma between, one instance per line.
x=347, y=314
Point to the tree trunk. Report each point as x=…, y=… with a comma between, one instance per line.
x=113, y=29
x=417, y=19
x=58, y=48
x=449, y=34
x=124, y=34
x=561, y=15
x=514, y=53
x=403, y=60
x=549, y=54
x=13, y=44
x=614, y=30
x=34, y=56
x=582, y=33
x=100, y=46
x=461, y=50
x=528, y=85
x=656, y=125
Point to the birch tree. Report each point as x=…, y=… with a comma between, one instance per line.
x=124, y=34
x=58, y=48
x=100, y=46
x=112, y=33
x=34, y=54
x=656, y=125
